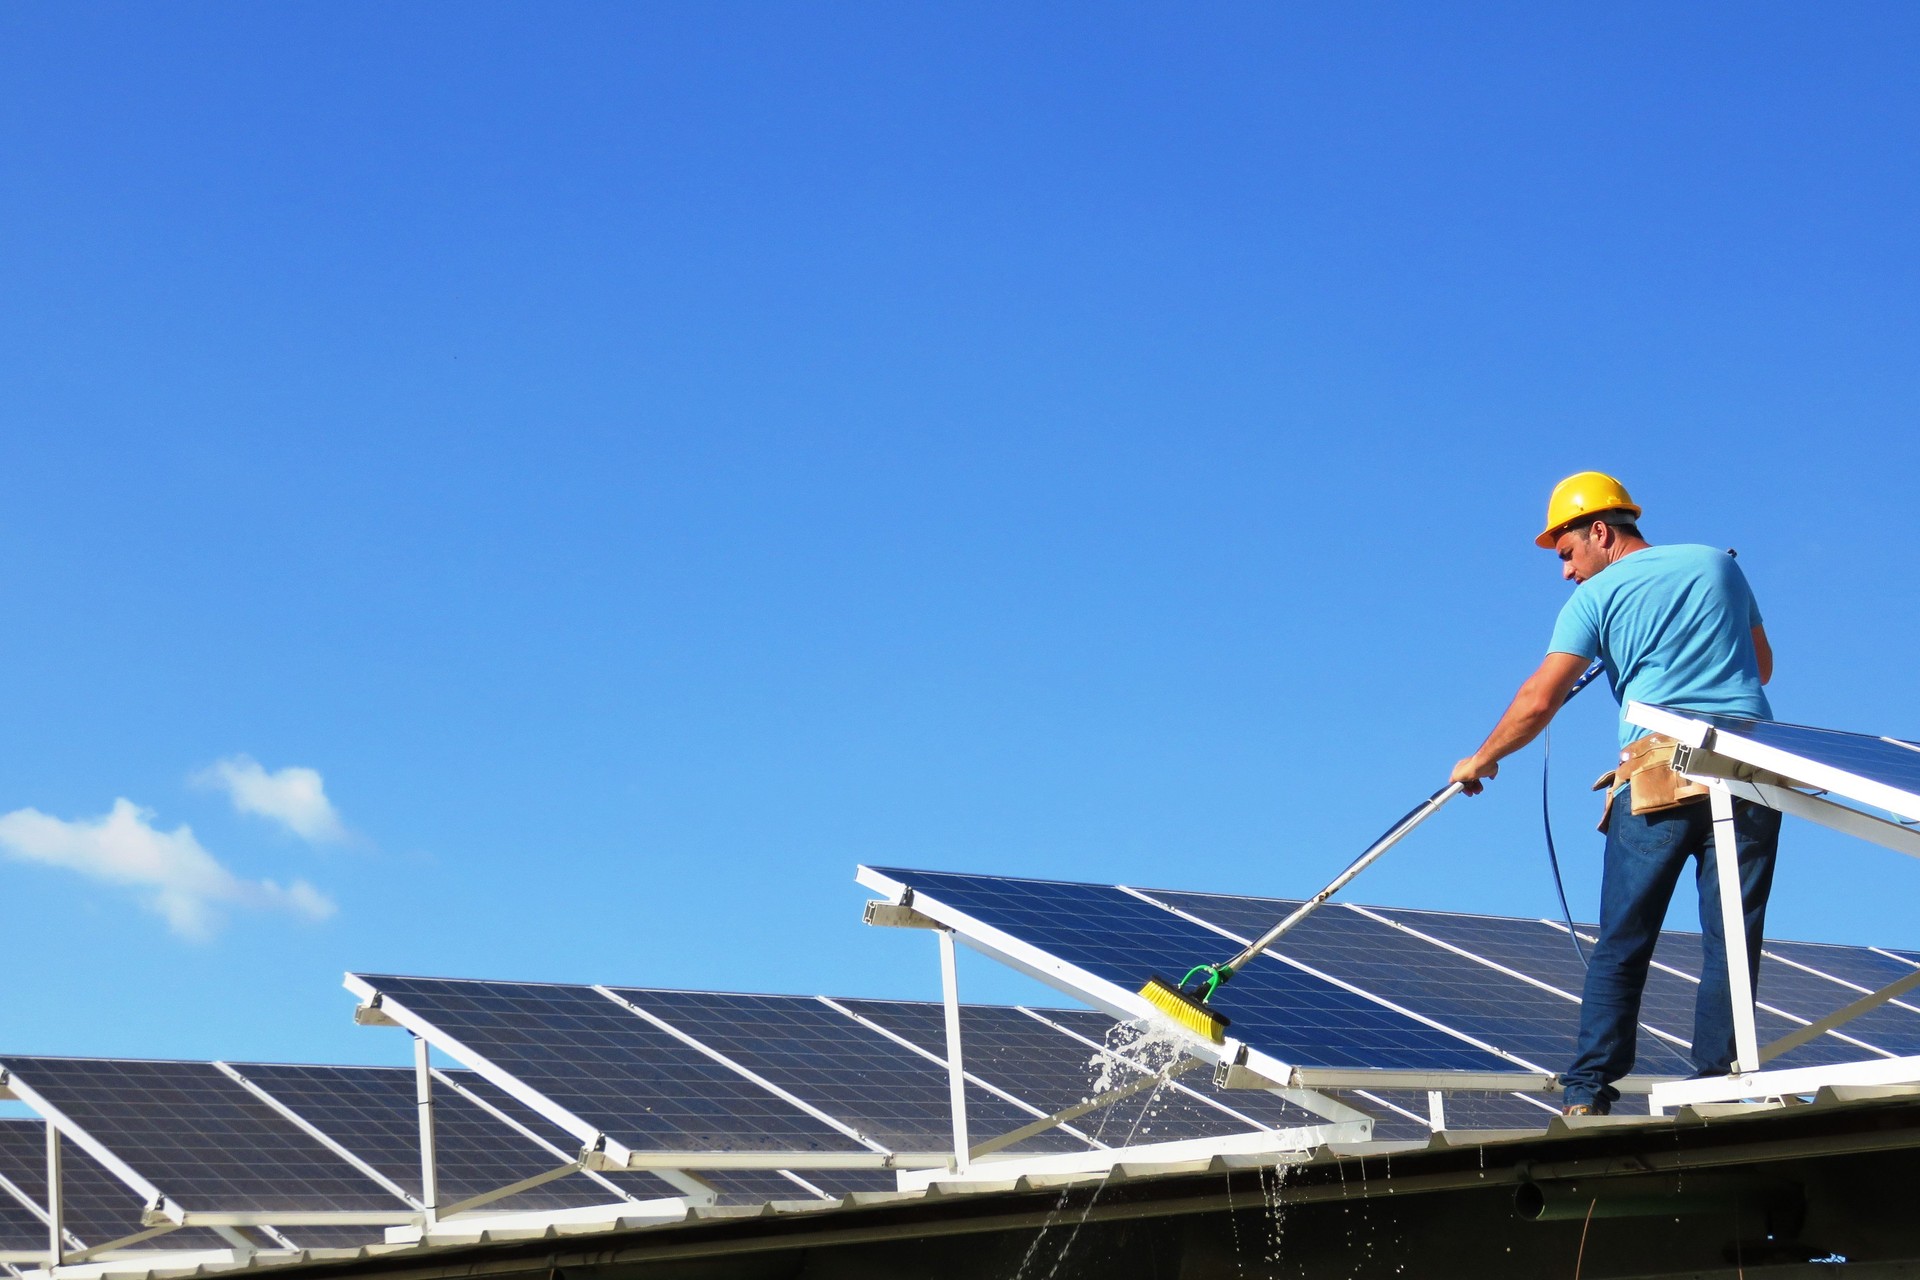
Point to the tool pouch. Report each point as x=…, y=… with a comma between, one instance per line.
x=1646, y=770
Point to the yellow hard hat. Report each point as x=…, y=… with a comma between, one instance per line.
x=1586, y=494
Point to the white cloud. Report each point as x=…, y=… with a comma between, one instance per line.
x=295, y=797
x=174, y=873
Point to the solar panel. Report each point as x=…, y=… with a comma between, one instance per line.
x=611, y=1070
x=372, y=1112
x=1875, y=770
x=1119, y=939
x=890, y=1093
x=1861, y=967
x=1889, y=1030
x=199, y=1136
x=1493, y=1008
x=19, y=1228
x=97, y=1207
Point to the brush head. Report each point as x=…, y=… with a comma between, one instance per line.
x=1184, y=1010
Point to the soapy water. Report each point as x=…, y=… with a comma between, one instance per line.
x=1130, y=1052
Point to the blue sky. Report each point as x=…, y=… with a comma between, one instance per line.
x=648, y=459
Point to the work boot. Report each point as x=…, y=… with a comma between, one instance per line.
x=1594, y=1108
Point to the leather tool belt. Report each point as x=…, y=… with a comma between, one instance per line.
x=1646, y=770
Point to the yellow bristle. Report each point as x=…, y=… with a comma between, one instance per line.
x=1184, y=1009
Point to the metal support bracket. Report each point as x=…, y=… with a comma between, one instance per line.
x=1733, y=925
x=897, y=915
x=1099, y=1103
x=429, y=1155
x=57, y=1198
x=956, y=1067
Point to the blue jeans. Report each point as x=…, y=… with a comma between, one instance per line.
x=1644, y=858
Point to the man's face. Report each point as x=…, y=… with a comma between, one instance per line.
x=1581, y=554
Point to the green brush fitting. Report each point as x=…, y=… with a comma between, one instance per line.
x=1216, y=975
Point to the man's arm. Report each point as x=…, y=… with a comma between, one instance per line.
x=1525, y=717
x=1763, y=652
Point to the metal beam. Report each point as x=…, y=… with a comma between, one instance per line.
x=956, y=1067
x=1837, y=817
x=299, y=1218
x=1865, y=1004
x=1790, y=1082
x=1274, y=1144
x=777, y=1160
x=1449, y=1081
x=896, y=915
x=57, y=1199
x=1098, y=1103
x=429, y=1152
x=1733, y=927
x=501, y=1193
x=118, y=1246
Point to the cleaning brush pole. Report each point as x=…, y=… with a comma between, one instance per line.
x=1417, y=815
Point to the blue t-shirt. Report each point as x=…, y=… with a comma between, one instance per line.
x=1674, y=626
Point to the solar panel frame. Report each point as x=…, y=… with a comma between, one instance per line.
x=1878, y=771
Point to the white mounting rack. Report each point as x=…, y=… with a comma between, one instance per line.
x=255, y=1233
x=1736, y=767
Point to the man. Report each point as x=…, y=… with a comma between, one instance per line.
x=1678, y=627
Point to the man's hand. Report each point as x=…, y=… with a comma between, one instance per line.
x=1470, y=771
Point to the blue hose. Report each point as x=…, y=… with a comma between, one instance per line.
x=1587, y=677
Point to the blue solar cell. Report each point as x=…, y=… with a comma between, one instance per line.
x=1891, y=763
x=200, y=1136
x=643, y=1087
x=1276, y=1008
x=1860, y=966
x=1805, y=995
x=886, y=1091
x=1503, y=1011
